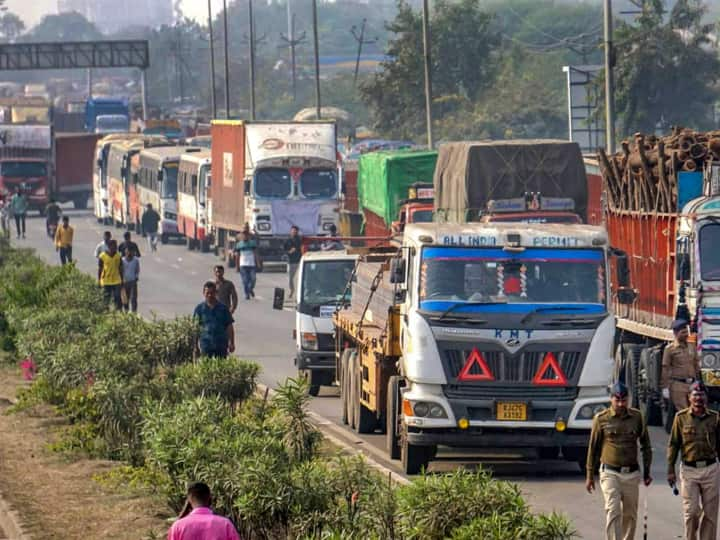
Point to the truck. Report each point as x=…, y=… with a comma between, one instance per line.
x=272, y=175
x=384, y=181
x=112, y=111
x=483, y=334
x=73, y=172
x=662, y=208
x=26, y=162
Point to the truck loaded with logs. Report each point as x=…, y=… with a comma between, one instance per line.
x=662, y=208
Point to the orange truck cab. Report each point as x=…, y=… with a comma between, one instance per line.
x=417, y=208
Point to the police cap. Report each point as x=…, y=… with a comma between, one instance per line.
x=698, y=386
x=619, y=390
x=679, y=324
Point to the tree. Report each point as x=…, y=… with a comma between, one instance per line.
x=11, y=26
x=64, y=27
x=464, y=61
x=666, y=72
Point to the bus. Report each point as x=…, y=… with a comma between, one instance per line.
x=193, y=199
x=157, y=185
x=101, y=204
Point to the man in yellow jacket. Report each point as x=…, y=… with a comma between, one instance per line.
x=110, y=274
x=64, y=240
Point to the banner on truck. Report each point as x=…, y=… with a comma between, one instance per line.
x=30, y=137
x=312, y=140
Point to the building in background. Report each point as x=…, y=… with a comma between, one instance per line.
x=113, y=15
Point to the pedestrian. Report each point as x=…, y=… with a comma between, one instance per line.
x=332, y=243
x=680, y=366
x=150, y=222
x=198, y=522
x=248, y=262
x=110, y=275
x=226, y=292
x=127, y=244
x=293, y=250
x=217, y=337
x=613, y=447
x=695, y=436
x=52, y=217
x=19, y=205
x=103, y=247
x=131, y=275
x=63, y=241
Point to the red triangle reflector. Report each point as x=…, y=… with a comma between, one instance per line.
x=475, y=358
x=549, y=373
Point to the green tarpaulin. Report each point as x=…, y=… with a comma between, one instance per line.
x=385, y=177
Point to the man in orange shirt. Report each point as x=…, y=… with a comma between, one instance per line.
x=63, y=240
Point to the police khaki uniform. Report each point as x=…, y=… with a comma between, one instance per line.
x=680, y=367
x=696, y=437
x=614, y=449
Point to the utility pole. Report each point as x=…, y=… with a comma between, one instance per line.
x=317, y=60
x=292, y=43
x=213, y=95
x=428, y=74
x=360, y=41
x=609, y=79
x=252, y=59
x=227, y=63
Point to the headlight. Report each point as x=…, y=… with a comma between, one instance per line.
x=308, y=340
x=427, y=409
x=263, y=226
x=710, y=360
x=587, y=412
x=421, y=409
x=327, y=226
x=597, y=409
x=169, y=215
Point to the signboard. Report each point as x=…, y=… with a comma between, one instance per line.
x=227, y=169
x=30, y=137
x=292, y=140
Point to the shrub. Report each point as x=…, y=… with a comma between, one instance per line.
x=301, y=437
x=230, y=379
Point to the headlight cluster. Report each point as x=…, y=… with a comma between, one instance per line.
x=710, y=360
x=169, y=215
x=428, y=409
x=587, y=412
x=327, y=226
x=263, y=226
x=309, y=341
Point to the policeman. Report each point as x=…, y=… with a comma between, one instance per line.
x=614, y=447
x=696, y=436
x=680, y=366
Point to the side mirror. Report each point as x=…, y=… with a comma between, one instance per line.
x=682, y=267
x=622, y=268
x=246, y=186
x=161, y=175
x=397, y=270
x=99, y=163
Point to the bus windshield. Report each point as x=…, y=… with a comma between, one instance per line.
x=168, y=187
x=204, y=178
x=273, y=183
x=709, y=253
x=324, y=282
x=534, y=276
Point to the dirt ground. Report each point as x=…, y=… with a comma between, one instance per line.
x=56, y=497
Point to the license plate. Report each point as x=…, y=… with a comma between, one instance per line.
x=512, y=411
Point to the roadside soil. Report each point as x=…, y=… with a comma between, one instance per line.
x=56, y=496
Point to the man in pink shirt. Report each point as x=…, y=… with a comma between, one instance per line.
x=201, y=523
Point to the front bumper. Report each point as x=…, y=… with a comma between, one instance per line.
x=493, y=437
x=315, y=360
x=169, y=227
x=272, y=248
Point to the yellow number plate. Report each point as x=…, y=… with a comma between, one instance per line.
x=511, y=411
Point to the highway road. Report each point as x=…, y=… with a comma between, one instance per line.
x=171, y=284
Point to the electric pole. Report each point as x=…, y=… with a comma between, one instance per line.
x=213, y=95
x=227, y=62
x=292, y=43
x=360, y=41
x=609, y=79
x=428, y=75
x=317, y=60
x=252, y=59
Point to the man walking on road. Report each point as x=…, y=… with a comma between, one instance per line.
x=19, y=205
x=52, y=217
x=110, y=275
x=127, y=244
x=63, y=240
x=614, y=448
x=226, y=293
x=150, y=222
x=197, y=521
x=293, y=249
x=246, y=249
x=104, y=246
x=696, y=437
x=217, y=337
x=680, y=366
x=131, y=275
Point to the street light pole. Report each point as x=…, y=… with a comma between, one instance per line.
x=609, y=79
x=428, y=74
x=252, y=60
x=213, y=94
x=317, y=60
x=227, y=63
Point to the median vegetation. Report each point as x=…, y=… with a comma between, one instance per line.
x=133, y=393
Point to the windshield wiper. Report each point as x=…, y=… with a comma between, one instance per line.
x=541, y=309
x=460, y=304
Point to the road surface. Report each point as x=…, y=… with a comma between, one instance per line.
x=171, y=284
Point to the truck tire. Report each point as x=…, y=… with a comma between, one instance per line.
x=649, y=383
x=164, y=238
x=344, y=384
x=578, y=454
x=392, y=411
x=189, y=243
x=365, y=419
x=204, y=246
x=415, y=458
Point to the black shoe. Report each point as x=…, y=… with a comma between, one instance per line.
x=252, y=293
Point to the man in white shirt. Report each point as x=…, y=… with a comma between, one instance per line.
x=102, y=247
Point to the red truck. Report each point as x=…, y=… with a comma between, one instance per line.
x=26, y=162
x=74, y=159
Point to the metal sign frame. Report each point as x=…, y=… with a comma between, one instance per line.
x=75, y=55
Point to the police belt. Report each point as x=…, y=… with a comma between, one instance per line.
x=688, y=380
x=624, y=470
x=700, y=464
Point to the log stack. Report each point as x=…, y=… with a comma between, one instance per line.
x=380, y=301
x=642, y=176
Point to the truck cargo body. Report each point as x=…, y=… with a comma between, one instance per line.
x=74, y=156
x=273, y=176
x=26, y=162
x=193, y=196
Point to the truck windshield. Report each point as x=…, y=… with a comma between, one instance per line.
x=168, y=187
x=534, y=276
x=23, y=169
x=318, y=183
x=422, y=216
x=324, y=282
x=273, y=183
x=709, y=253
x=114, y=123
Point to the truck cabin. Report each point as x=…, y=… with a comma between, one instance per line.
x=531, y=208
x=112, y=123
x=417, y=208
x=28, y=174
x=294, y=179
